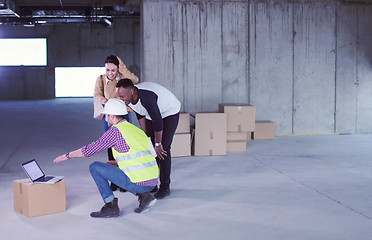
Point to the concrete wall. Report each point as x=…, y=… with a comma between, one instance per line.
x=305, y=66
x=69, y=45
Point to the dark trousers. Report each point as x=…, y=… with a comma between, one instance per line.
x=169, y=128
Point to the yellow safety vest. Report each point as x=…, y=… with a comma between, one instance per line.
x=138, y=163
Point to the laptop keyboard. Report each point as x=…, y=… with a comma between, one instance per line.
x=44, y=179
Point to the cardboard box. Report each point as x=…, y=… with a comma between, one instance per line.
x=237, y=146
x=210, y=134
x=249, y=136
x=240, y=117
x=181, y=145
x=183, y=123
x=36, y=199
x=236, y=136
x=236, y=141
x=264, y=130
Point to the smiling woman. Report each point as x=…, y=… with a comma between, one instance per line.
x=23, y=52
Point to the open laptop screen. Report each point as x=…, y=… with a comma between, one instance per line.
x=33, y=170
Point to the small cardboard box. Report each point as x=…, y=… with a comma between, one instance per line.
x=183, y=123
x=236, y=141
x=36, y=199
x=237, y=146
x=240, y=117
x=236, y=136
x=264, y=130
x=210, y=134
x=181, y=145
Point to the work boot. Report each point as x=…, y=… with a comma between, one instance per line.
x=146, y=200
x=162, y=193
x=110, y=209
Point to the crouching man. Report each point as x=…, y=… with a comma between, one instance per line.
x=137, y=172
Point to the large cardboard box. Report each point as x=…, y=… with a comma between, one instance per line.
x=264, y=130
x=181, y=145
x=210, y=134
x=183, y=123
x=240, y=117
x=249, y=136
x=36, y=199
x=236, y=141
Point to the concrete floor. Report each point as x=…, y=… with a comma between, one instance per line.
x=297, y=187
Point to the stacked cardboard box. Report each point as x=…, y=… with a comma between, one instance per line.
x=236, y=142
x=240, y=125
x=183, y=123
x=264, y=130
x=210, y=134
x=219, y=133
x=181, y=144
x=35, y=199
x=240, y=117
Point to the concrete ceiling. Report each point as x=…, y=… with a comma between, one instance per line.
x=31, y=12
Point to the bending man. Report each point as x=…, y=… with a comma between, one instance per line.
x=137, y=171
x=158, y=112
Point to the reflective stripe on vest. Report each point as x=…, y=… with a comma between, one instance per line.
x=138, y=163
x=138, y=167
x=133, y=155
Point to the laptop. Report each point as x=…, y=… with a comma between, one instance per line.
x=37, y=175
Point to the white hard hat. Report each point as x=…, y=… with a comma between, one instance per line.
x=115, y=107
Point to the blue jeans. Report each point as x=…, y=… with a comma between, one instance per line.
x=103, y=172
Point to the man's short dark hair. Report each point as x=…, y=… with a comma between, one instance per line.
x=125, y=83
x=112, y=59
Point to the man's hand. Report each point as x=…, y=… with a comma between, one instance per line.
x=60, y=158
x=160, y=152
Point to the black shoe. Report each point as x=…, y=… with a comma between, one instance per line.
x=110, y=209
x=146, y=201
x=155, y=189
x=162, y=193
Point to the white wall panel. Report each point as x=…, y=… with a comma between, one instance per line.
x=235, y=57
x=314, y=68
x=271, y=63
x=346, y=51
x=192, y=58
x=364, y=70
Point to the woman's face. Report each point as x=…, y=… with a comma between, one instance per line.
x=111, y=70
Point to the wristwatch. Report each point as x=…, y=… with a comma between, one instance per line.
x=157, y=144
